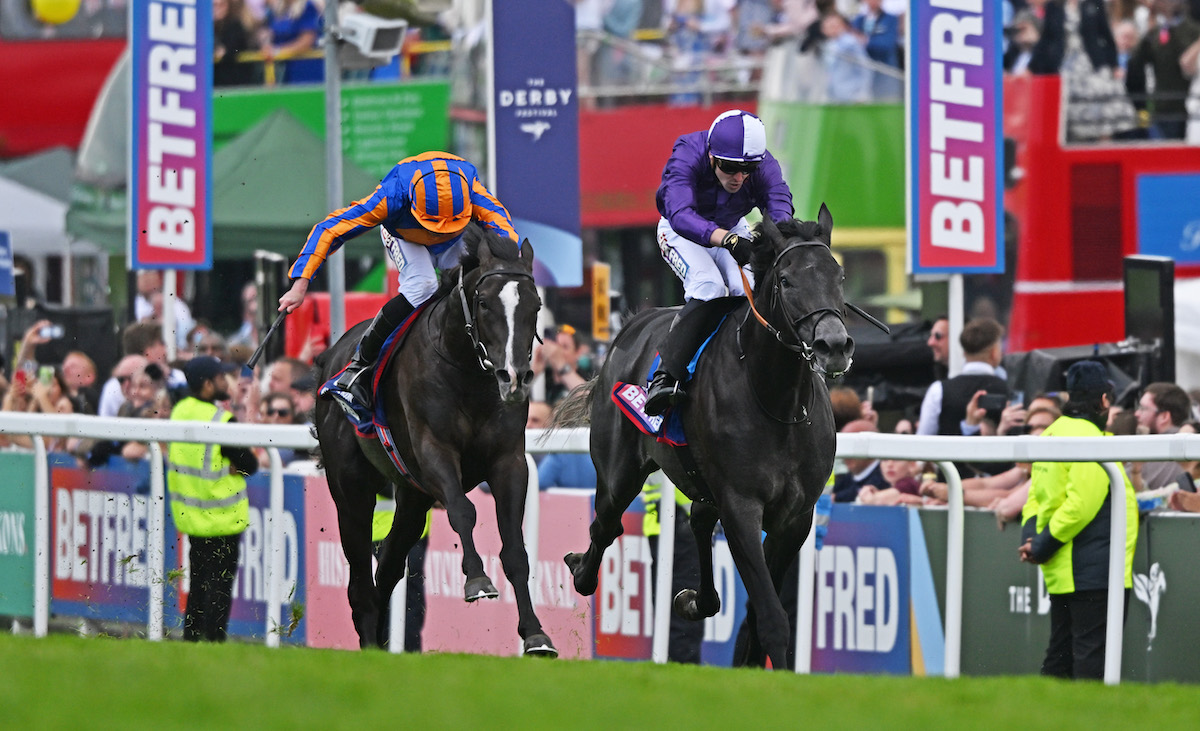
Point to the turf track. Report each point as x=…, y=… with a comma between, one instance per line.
x=65, y=681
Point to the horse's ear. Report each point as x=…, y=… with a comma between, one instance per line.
x=527, y=253
x=772, y=231
x=825, y=221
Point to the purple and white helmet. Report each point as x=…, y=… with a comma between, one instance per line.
x=737, y=135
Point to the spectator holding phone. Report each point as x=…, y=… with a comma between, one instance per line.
x=944, y=408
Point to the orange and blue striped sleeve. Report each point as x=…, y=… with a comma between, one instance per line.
x=338, y=228
x=490, y=212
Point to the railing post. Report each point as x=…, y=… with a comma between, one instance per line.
x=666, y=571
x=275, y=579
x=41, y=538
x=1115, y=631
x=954, y=569
x=156, y=537
x=805, y=589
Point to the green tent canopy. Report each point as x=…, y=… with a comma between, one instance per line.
x=268, y=192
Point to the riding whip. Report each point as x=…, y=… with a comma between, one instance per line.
x=261, y=346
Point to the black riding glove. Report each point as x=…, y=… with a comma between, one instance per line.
x=738, y=247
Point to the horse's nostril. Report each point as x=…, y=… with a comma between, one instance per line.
x=504, y=376
x=526, y=378
x=849, y=349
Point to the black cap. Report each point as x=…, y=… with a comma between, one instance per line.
x=1088, y=377
x=305, y=383
x=198, y=370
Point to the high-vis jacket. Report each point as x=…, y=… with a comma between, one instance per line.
x=651, y=494
x=206, y=500
x=391, y=206
x=1071, y=504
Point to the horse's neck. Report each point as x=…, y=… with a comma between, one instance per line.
x=780, y=377
x=448, y=329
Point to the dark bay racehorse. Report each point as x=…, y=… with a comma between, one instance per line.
x=758, y=422
x=456, y=397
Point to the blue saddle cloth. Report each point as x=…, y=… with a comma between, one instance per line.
x=631, y=399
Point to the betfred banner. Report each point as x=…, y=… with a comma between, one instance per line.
x=535, y=122
x=861, y=607
x=170, y=165
x=489, y=626
x=100, y=562
x=624, y=604
x=955, y=137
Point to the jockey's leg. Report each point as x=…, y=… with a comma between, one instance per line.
x=356, y=378
x=702, y=281
x=417, y=283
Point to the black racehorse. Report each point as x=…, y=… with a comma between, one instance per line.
x=456, y=396
x=758, y=423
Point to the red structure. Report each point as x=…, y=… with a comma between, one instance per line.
x=1077, y=213
x=50, y=87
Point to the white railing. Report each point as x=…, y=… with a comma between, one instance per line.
x=941, y=449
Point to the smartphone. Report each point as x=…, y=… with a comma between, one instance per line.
x=993, y=401
x=1017, y=398
x=46, y=374
x=871, y=395
x=51, y=332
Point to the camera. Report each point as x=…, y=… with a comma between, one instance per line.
x=993, y=401
x=51, y=332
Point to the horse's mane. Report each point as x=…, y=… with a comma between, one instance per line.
x=766, y=246
x=502, y=247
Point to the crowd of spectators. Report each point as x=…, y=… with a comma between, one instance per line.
x=145, y=383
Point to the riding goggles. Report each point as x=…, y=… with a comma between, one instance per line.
x=732, y=167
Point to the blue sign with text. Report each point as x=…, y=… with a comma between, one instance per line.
x=536, y=123
x=8, y=287
x=1168, y=220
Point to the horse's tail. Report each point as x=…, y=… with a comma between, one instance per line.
x=575, y=409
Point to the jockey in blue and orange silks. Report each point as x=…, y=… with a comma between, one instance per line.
x=421, y=207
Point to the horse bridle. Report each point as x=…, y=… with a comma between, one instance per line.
x=470, y=314
x=800, y=346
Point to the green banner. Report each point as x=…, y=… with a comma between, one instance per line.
x=381, y=122
x=850, y=157
x=17, y=547
x=1006, y=610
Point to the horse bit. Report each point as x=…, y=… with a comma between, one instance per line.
x=470, y=315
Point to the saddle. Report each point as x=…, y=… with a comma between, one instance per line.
x=631, y=397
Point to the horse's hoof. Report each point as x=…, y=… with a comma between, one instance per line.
x=585, y=585
x=480, y=588
x=539, y=645
x=685, y=604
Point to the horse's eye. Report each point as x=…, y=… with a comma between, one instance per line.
x=783, y=281
x=483, y=305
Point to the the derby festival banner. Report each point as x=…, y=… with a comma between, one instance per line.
x=534, y=123
x=955, y=139
x=170, y=151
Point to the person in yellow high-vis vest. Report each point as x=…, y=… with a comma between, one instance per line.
x=1066, y=530
x=207, y=490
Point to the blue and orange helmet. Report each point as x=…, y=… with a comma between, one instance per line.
x=441, y=200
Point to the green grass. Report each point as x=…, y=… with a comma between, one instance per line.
x=65, y=681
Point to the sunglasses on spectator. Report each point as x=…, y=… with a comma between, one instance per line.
x=939, y=336
x=732, y=167
x=279, y=412
x=123, y=379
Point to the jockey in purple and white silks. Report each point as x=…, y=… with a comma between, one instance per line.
x=709, y=184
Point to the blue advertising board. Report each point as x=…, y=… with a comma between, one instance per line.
x=535, y=126
x=1168, y=221
x=8, y=287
